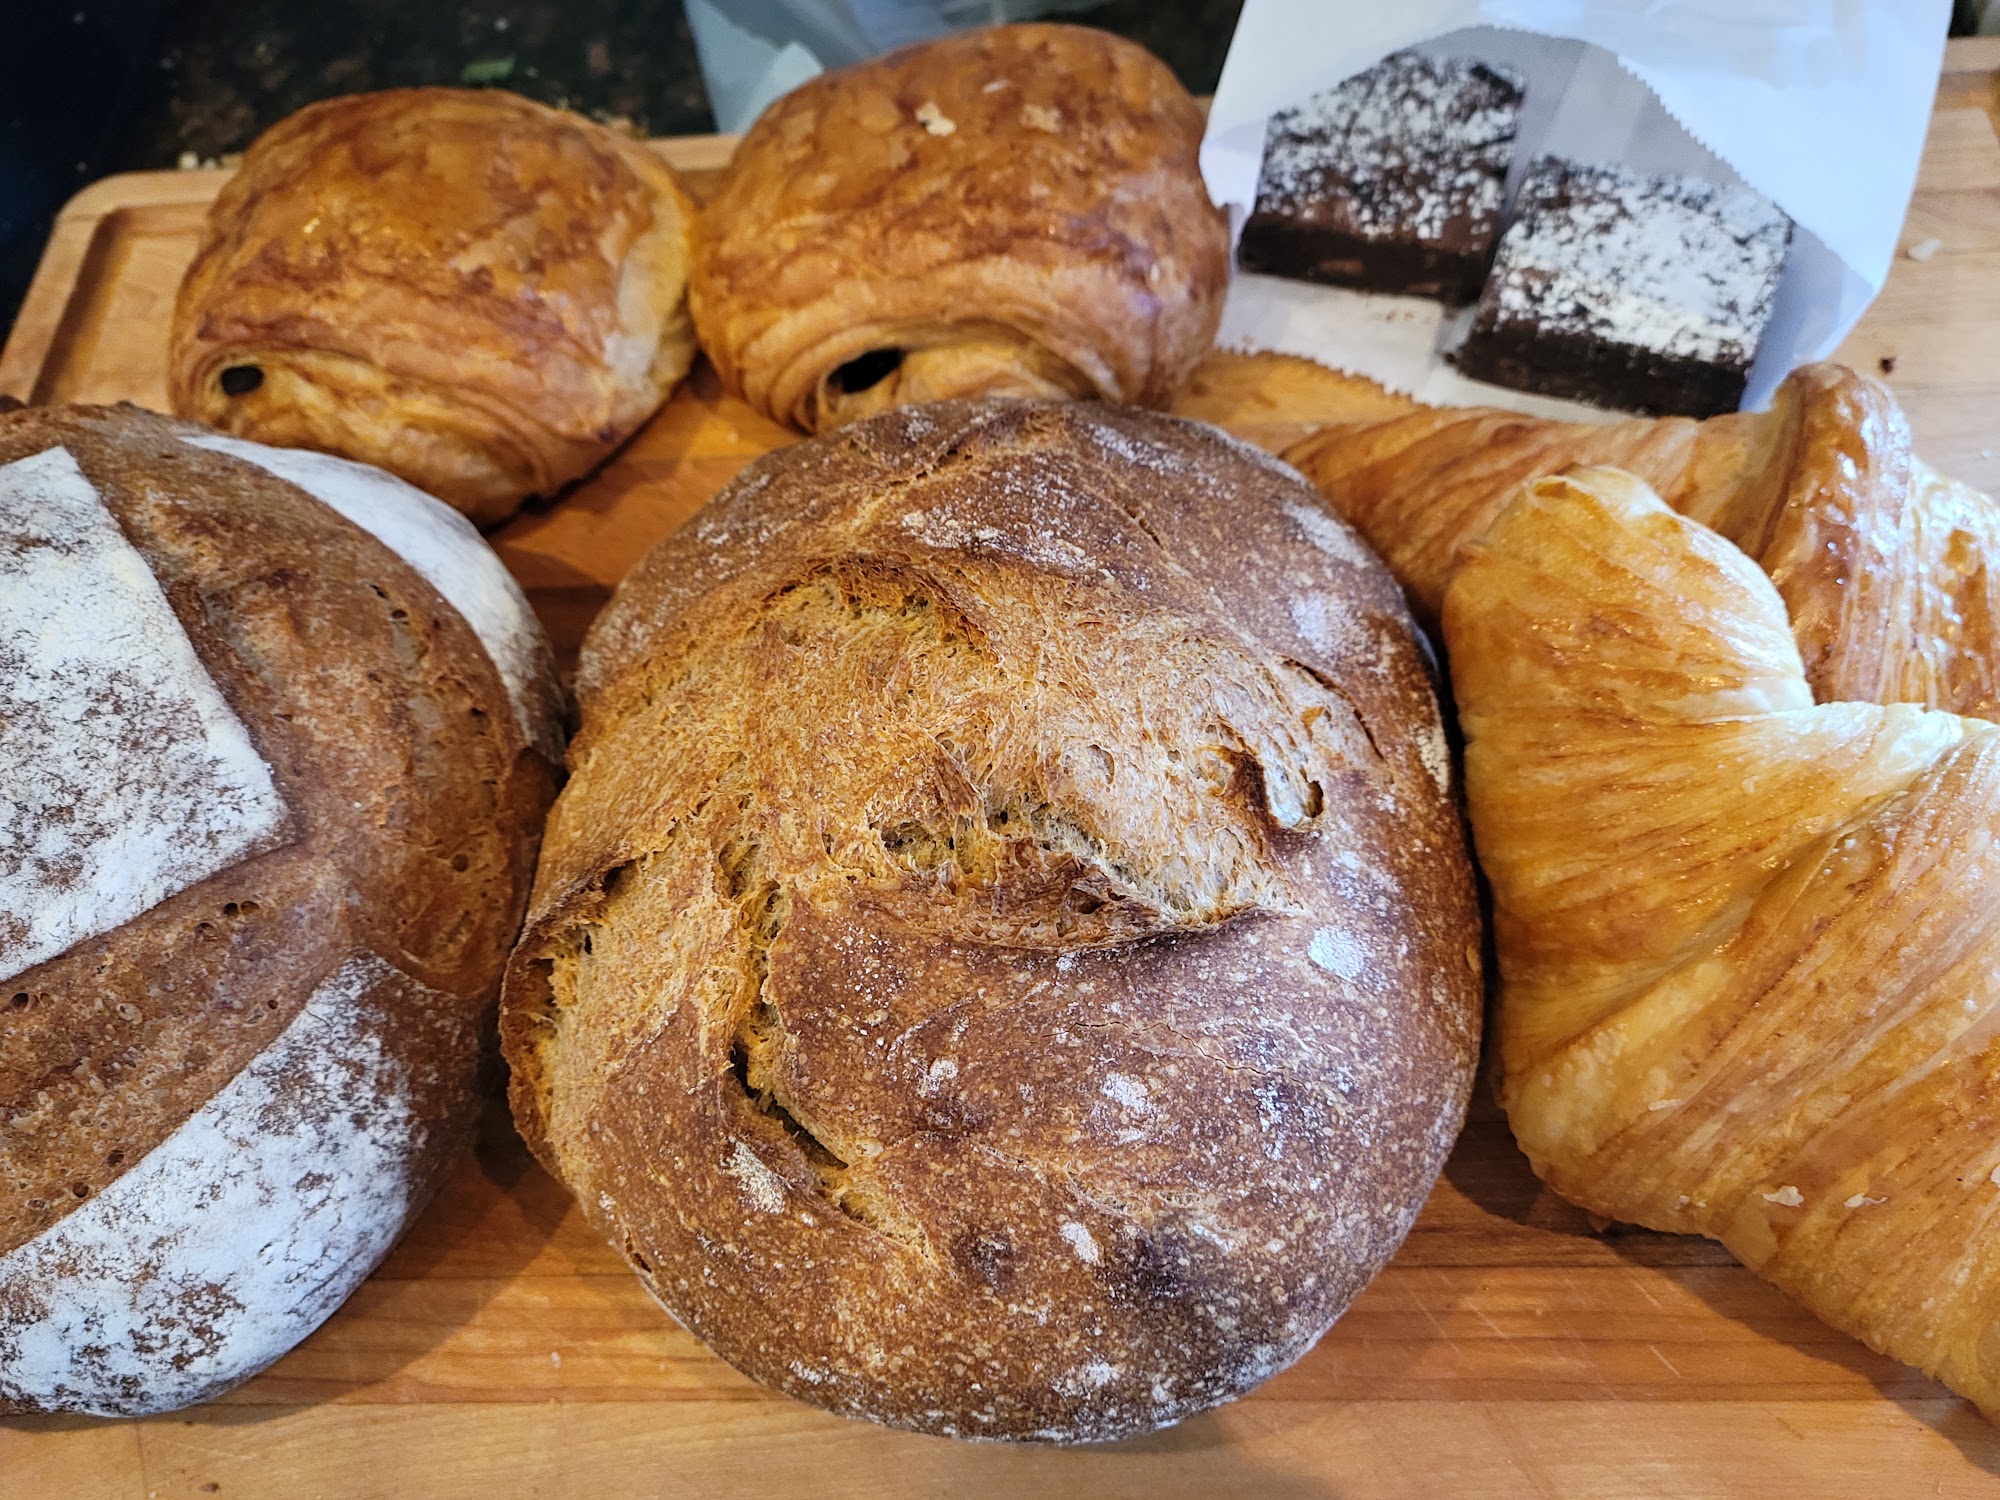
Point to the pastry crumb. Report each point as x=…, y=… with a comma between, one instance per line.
x=1786, y=1197
x=1925, y=249
x=934, y=119
x=1042, y=117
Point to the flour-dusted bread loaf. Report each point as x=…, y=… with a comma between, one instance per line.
x=1015, y=211
x=277, y=733
x=477, y=292
x=1005, y=962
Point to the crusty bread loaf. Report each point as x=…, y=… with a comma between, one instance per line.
x=1005, y=962
x=275, y=769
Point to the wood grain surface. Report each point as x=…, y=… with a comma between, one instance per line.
x=1510, y=1349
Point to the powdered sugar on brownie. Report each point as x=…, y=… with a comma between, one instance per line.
x=128, y=776
x=1402, y=150
x=446, y=549
x=234, y=1237
x=1674, y=265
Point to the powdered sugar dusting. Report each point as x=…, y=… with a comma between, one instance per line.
x=448, y=552
x=1677, y=265
x=763, y=1189
x=1405, y=149
x=232, y=1239
x=128, y=777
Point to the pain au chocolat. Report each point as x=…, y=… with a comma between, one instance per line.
x=1016, y=211
x=478, y=293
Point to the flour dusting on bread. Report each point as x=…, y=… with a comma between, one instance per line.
x=237, y=1235
x=128, y=776
x=446, y=549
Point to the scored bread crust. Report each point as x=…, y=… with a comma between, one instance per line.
x=1015, y=211
x=1005, y=963
x=354, y=962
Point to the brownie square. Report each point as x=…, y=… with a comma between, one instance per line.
x=1644, y=294
x=1391, y=182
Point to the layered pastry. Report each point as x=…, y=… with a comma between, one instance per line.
x=1731, y=765
x=1748, y=933
x=1010, y=212
x=478, y=293
x=1390, y=182
x=1634, y=292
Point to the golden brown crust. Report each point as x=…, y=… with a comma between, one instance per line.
x=1879, y=559
x=1747, y=941
x=473, y=291
x=413, y=801
x=1015, y=211
x=1005, y=962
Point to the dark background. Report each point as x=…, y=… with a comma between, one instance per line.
x=90, y=87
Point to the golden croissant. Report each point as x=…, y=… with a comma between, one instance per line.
x=1750, y=960
x=1880, y=560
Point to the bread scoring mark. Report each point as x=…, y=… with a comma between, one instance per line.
x=128, y=777
x=448, y=552
x=755, y=1061
x=234, y=1237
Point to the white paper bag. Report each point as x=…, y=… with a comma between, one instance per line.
x=1820, y=105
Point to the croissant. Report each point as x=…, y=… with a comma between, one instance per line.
x=1749, y=954
x=477, y=292
x=1879, y=559
x=1016, y=211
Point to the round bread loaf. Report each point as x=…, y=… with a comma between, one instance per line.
x=277, y=733
x=477, y=292
x=1005, y=963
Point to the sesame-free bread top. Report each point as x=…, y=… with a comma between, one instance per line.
x=1005, y=962
x=333, y=885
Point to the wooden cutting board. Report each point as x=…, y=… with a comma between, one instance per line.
x=1509, y=1349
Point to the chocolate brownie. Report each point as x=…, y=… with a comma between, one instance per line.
x=1639, y=293
x=1390, y=182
